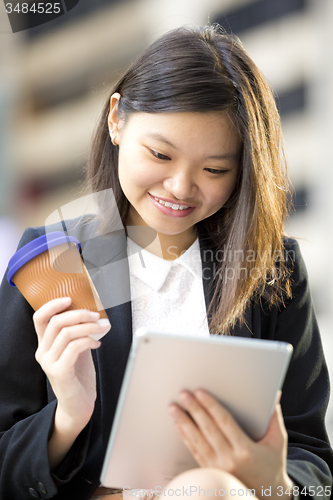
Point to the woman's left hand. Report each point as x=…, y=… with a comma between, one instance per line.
x=216, y=440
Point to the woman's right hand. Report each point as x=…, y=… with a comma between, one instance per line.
x=64, y=353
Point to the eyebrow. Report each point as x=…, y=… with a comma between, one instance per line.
x=225, y=156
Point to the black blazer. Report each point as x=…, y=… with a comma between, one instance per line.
x=27, y=402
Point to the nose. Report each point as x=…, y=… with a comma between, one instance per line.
x=181, y=185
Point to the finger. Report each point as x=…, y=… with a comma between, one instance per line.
x=276, y=435
x=70, y=355
x=205, y=422
x=70, y=333
x=191, y=436
x=63, y=320
x=278, y=397
x=43, y=315
x=232, y=433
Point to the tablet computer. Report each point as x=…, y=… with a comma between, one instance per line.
x=244, y=374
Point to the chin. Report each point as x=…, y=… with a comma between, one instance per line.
x=168, y=233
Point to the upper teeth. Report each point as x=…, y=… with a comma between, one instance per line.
x=171, y=205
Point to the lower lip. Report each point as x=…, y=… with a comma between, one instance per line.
x=168, y=211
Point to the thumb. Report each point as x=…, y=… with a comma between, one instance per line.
x=276, y=431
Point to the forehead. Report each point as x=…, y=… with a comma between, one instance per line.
x=185, y=128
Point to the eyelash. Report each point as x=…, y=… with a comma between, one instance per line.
x=155, y=154
x=214, y=171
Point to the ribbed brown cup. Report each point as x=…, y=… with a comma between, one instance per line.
x=58, y=272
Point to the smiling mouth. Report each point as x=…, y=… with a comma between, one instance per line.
x=173, y=206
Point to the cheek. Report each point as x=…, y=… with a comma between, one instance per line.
x=218, y=194
x=137, y=174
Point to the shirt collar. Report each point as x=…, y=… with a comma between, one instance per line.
x=154, y=270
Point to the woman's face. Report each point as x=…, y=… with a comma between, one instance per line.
x=176, y=169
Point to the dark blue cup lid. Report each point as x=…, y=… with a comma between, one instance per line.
x=36, y=247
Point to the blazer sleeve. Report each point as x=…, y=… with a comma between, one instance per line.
x=306, y=389
x=26, y=415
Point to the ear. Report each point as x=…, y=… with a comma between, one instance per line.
x=113, y=118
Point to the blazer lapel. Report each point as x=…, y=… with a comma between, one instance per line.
x=112, y=282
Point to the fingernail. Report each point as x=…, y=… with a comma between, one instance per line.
x=201, y=395
x=97, y=336
x=174, y=410
x=185, y=397
x=65, y=299
x=104, y=323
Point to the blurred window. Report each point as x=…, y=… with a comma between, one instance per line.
x=257, y=13
x=33, y=189
x=292, y=101
x=83, y=8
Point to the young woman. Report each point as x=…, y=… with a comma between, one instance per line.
x=190, y=143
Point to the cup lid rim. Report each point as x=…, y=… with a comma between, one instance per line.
x=36, y=247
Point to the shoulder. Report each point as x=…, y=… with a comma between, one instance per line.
x=99, y=244
x=294, y=262
x=31, y=233
x=61, y=225
x=290, y=284
x=72, y=227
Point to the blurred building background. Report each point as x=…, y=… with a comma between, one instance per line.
x=54, y=79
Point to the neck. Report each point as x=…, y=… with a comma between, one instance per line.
x=166, y=246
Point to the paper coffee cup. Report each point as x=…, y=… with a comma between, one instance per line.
x=50, y=267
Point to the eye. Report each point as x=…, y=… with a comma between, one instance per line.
x=216, y=171
x=159, y=156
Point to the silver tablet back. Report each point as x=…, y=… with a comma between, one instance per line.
x=144, y=450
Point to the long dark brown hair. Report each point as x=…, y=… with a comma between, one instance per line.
x=203, y=70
